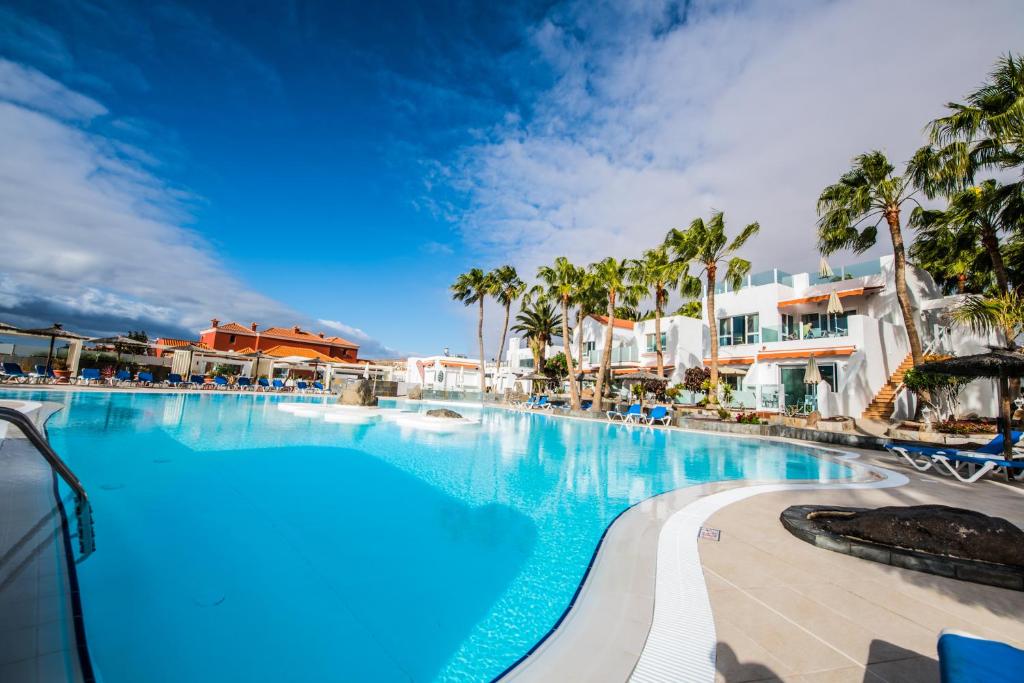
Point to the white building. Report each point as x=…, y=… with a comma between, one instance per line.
x=770, y=327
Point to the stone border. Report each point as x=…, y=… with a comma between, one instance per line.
x=794, y=519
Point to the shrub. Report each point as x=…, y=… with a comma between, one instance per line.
x=694, y=379
x=723, y=414
x=749, y=419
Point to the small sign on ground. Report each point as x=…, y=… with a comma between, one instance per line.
x=710, y=534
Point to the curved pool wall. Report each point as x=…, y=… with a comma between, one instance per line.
x=237, y=541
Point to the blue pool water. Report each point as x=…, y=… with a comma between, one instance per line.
x=239, y=542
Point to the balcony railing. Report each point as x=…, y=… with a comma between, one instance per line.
x=777, y=333
x=619, y=355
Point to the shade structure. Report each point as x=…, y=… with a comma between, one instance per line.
x=533, y=377
x=835, y=306
x=824, y=269
x=998, y=364
x=642, y=376
x=119, y=343
x=54, y=332
x=732, y=372
x=812, y=375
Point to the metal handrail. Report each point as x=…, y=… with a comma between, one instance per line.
x=83, y=510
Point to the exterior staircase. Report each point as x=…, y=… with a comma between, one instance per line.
x=884, y=402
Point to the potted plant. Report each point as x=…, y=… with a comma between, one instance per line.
x=60, y=368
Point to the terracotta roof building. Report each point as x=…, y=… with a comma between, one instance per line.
x=278, y=341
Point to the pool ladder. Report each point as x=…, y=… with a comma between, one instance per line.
x=83, y=510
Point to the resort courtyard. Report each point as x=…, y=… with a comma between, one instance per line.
x=673, y=341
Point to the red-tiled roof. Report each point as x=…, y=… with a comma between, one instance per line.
x=624, y=324
x=161, y=341
x=290, y=333
x=285, y=333
x=235, y=328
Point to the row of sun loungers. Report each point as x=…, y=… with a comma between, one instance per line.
x=12, y=372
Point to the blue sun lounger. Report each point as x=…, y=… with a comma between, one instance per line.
x=542, y=404
x=196, y=381
x=175, y=381
x=950, y=461
x=221, y=382
x=89, y=375
x=43, y=375
x=244, y=384
x=262, y=384
x=659, y=414
x=318, y=388
x=13, y=371
x=278, y=385
x=301, y=386
x=144, y=378
x=634, y=413
x=965, y=658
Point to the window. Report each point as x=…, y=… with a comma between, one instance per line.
x=739, y=329
x=231, y=339
x=589, y=346
x=789, y=328
x=526, y=362
x=651, y=346
x=817, y=325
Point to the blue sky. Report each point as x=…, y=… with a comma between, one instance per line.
x=338, y=164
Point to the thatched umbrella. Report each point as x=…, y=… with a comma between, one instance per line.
x=824, y=269
x=812, y=375
x=534, y=377
x=998, y=364
x=54, y=332
x=119, y=343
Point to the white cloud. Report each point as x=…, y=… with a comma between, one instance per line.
x=91, y=236
x=369, y=347
x=750, y=108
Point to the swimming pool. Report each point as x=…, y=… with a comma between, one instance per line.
x=236, y=541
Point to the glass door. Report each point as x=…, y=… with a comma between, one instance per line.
x=793, y=386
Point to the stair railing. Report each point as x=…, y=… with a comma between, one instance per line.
x=83, y=510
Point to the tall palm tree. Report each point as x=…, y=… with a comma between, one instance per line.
x=506, y=287
x=658, y=273
x=706, y=246
x=562, y=280
x=850, y=212
x=612, y=276
x=589, y=300
x=538, y=322
x=471, y=288
x=986, y=132
x=975, y=216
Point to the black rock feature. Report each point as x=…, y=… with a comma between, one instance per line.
x=444, y=412
x=935, y=529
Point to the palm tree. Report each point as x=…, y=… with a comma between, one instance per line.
x=706, y=245
x=850, y=212
x=611, y=275
x=589, y=300
x=506, y=287
x=984, y=133
x=1003, y=313
x=538, y=322
x=471, y=288
x=954, y=258
x=657, y=272
x=974, y=215
x=562, y=280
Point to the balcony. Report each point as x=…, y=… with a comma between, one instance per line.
x=622, y=354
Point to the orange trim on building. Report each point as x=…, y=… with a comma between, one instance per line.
x=735, y=360
x=824, y=297
x=807, y=353
x=795, y=353
x=623, y=324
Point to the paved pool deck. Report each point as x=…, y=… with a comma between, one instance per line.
x=785, y=610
